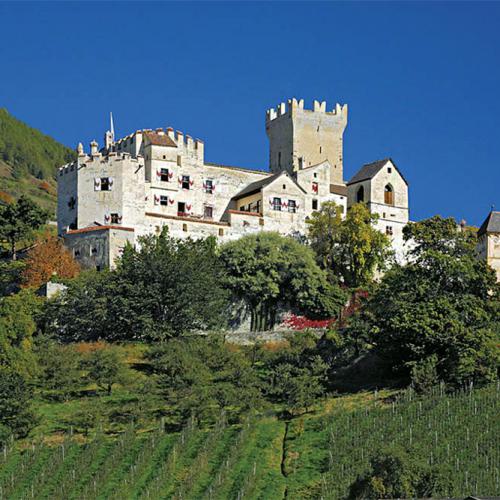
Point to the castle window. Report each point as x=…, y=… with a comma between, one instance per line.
x=164, y=174
x=209, y=186
x=279, y=159
x=301, y=163
x=185, y=227
x=221, y=232
x=320, y=150
x=389, y=170
x=360, y=195
x=277, y=204
x=284, y=186
x=115, y=219
x=164, y=157
x=76, y=253
x=388, y=195
x=105, y=183
x=93, y=251
x=315, y=175
x=315, y=204
x=179, y=160
x=388, y=230
x=181, y=209
x=185, y=182
x=292, y=206
x=164, y=200
x=208, y=212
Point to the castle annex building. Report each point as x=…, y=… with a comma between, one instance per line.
x=153, y=178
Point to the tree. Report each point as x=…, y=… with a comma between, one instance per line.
x=394, y=474
x=17, y=326
x=163, y=289
x=105, y=368
x=15, y=402
x=351, y=248
x=438, y=310
x=48, y=258
x=18, y=221
x=59, y=368
x=267, y=270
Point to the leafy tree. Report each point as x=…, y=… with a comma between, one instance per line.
x=351, y=248
x=17, y=326
x=266, y=270
x=394, y=474
x=440, y=306
x=166, y=288
x=18, y=221
x=15, y=403
x=59, y=368
x=10, y=276
x=202, y=377
x=48, y=258
x=105, y=368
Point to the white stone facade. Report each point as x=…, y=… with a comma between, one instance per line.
x=155, y=178
x=488, y=246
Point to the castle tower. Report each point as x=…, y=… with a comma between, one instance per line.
x=300, y=138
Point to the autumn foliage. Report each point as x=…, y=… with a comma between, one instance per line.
x=46, y=259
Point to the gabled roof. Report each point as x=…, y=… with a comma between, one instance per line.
x=370, y=170
x=338, y=189
x=256, y=186
x=160, y=140
x=491, y=224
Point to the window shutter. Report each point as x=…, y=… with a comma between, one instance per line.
x=111, y=182
x=97, y=184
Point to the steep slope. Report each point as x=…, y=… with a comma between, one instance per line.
x=28, y=161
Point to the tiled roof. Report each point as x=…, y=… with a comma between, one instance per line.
x=370, y=170
x=491, y=224
x=98, y=228
x=338, y=189
x=160, y=140
x=219, y=165
x=256, y=186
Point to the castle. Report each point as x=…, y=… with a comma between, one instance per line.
x=149, y=179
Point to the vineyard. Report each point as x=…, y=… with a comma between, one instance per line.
x=314, y=456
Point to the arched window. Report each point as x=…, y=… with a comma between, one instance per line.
x=360, y=195
x=388, y=195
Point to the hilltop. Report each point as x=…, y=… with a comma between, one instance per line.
x=28, y=161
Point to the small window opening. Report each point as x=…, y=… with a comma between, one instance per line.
x=360, y=195
x=284, y=186
x=388, y=195
x=105, y=184
x=292, y=206
x=181, y=208
x=315, y=204
x=185, y=182
x=179, y=160
x=209, y=186
x=389, y=170
x=279, y=159
x=388, y=230
x=115, y=219
x=320, y=150
x=164, y=174
x=208, y=212
x=221, y=232
x=185, y=227
x=164, y=200
x=277, y=204
x=315, y=175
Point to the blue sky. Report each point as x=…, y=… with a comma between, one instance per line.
x=422, y=81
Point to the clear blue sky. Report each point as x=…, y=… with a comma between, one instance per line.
x=422, y=81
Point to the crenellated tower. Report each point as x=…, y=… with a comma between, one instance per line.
x=300, y=138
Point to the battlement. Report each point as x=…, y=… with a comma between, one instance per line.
x=293, y=105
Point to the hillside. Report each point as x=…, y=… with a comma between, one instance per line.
x=28, y=161
x=317, y=455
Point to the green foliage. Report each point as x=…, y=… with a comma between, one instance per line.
x=15, y=407
x=352, y=249
x=17, y=326
x=104, y=368
x=202, y=376
x=441, y=305
x=267, y=270
x=164, y=289
x=394, y=474
x=10, y=276
x=19, y=220
x=29, y=154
